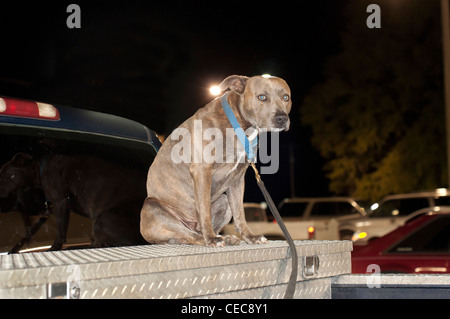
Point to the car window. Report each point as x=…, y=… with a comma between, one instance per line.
x=400, y=207
x=117, y=164
x=255, y=214
x=345, y=208
x=442, y=201
x=292, y=209
x=433, y=237
x=364, y=204
x=323, y=209
x=332, y=209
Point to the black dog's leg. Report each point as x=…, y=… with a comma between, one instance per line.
x=61, y=210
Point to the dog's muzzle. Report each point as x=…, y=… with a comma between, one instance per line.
x=281, y=121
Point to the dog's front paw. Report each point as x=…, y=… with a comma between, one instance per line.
x=232, y=240
x=255, y=239
x=215, y=242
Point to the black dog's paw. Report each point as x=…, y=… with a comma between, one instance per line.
x=255, y=239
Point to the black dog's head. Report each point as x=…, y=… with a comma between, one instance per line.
x=16, y=174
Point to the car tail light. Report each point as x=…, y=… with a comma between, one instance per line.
x=28, y=109
x=311, y=232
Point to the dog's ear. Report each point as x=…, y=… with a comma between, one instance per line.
x=235, y=83
x=22, y=159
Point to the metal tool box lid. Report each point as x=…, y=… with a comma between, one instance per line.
x=44, y=267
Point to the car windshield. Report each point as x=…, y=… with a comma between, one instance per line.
x=292, y=209
x=331, y=208
x=100, y=180
x=442, y=201
x=432, y=237
x=399, y=207
x=364, y=204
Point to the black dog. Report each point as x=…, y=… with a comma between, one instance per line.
x=105, y=192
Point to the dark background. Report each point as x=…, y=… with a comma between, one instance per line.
x=154, y=62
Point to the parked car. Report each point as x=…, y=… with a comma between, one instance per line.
x=257, y=219
x=255, y=212
x=390, y=213
x=421, y=245
x=41, y=130
x=322, y=213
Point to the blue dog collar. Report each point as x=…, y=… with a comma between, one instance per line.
x=238, y=129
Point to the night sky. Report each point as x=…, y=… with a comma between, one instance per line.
x=154, y=61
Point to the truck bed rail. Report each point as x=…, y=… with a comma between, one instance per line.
x=391, y=286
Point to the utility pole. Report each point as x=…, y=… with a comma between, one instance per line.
x=446, y=58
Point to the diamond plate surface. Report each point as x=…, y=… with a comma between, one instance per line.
x=393, y=280
x=311, y=289
x=168, y=271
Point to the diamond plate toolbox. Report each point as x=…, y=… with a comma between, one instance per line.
x=175, y=271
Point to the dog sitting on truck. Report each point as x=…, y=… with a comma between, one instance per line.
x=190, y=199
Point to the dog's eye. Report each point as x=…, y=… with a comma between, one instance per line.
x=286, y=97
x=262, y=97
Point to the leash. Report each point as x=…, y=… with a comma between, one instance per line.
x=290, y=289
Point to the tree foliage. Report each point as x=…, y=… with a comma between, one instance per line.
x=378, y=116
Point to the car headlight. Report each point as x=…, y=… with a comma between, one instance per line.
x=358, y=235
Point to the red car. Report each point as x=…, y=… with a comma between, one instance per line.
x=422, y=245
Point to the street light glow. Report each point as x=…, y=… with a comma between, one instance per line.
x=215, y=90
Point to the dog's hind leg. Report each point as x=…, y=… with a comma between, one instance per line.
x=160, y=227
x=220, y=213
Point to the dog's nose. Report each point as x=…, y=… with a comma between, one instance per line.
x=281, y=119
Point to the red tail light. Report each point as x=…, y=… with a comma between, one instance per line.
x=28, y=109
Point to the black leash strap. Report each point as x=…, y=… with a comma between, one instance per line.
x=290, y=290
